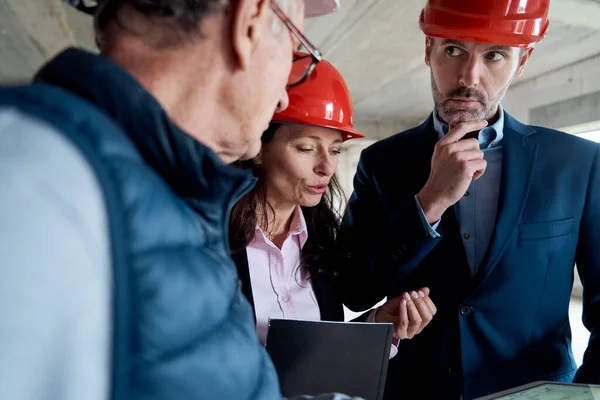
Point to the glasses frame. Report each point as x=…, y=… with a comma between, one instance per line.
x=314, y=53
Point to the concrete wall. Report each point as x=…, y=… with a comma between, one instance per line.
x=570, y=83
x=31, y=32
x=381, y=129
x=349, y=162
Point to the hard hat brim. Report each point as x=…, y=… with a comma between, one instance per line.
x=347, y=132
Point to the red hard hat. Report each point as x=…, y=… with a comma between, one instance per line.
x=512, y=23
x=321, y=100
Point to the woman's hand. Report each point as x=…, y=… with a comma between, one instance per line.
x=409, y=313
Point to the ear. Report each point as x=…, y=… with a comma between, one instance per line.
x=427, y=51
x=248, y=16
x=523, y=60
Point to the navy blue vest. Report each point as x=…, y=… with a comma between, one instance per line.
x=182, y=329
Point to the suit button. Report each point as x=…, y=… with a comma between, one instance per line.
x=466, y=310
x=467, y=236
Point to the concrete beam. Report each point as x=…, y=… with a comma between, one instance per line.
x=33, y=32
x=569, y=82
x=582, y=13
x=381, y=129
x=570, y=112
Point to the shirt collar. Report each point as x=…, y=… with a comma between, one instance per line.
x=490, y=136
x=297, y=227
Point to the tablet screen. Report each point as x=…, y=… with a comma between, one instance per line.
x=555, y=391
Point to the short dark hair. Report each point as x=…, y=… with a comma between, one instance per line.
x=184, y=16
x=430, y=39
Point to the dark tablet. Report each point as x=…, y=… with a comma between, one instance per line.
x=314, y=357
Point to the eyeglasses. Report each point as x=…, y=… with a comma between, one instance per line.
x=304, y=63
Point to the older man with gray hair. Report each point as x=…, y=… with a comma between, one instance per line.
x=116, y=280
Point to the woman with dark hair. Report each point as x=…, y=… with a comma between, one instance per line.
x=282, y=233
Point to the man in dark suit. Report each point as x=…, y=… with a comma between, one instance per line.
x=489, y=213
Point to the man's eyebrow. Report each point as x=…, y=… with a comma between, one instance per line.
x=499, y=48
x=454, y=42
x=460, y=43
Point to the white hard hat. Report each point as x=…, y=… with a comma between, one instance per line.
x=316, y=8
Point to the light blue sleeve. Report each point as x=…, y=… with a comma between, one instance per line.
x=429, y=228
x=55, y=275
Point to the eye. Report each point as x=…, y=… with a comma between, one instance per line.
x=336, y=152
x=494, y=56
x=453, y=51
x=304, y=149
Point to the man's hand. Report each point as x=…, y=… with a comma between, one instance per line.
x=455, y=163
x=409, y=313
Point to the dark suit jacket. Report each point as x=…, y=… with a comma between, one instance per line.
x=509, y=324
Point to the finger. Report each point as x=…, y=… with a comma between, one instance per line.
x=402, y=326
x=478, y=167
x=463, y=145
x=469, y=155
x=414, y=319
x=471, y=135
x=459, y=131
x=430, y=305
x=424, y=312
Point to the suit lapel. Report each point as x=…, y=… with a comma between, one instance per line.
x=519, y=156
x=241, y=262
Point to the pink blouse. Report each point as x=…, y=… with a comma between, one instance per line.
x=281, y=289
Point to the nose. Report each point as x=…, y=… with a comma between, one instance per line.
x=326, y=166
x=469, y=74
x=284, y=101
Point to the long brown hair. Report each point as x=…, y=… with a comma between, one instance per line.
x=322, y=220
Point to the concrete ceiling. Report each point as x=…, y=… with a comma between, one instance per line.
x=379, y=49
x=376, y=44
x=33, y=31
